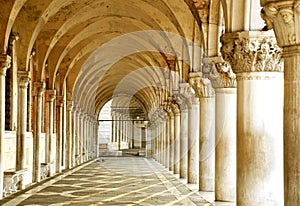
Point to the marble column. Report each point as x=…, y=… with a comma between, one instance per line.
x=23, y=81
x=193, y=133
x=184, y=122
x=256, y=59
x=38, y=90
x=207, y=136
x=166, y=142
x=284, y=18
x=50, y=96
x=171, y=141
x=69, y=137
x=59, y=132
x=224, y=82
x=73, y=133
x=5, y=61
x=176, y=112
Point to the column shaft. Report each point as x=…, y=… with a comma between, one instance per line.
x=193, y=142
x=225, y=168
x=176, y=143
x=184, y=122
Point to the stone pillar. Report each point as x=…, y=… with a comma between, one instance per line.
x=207, y=136
x=256, y=59
x=166, y=147
x=59, y=132
x=4, y=65
x=73, y=133
x=23, y=80
x=224, y=81
x=176, y=112
x=50, y=96
x=171, y=141
x=69, y=138
x=38, y=90
x=193, y=133
x=118, y=131
x=284, y=18
x=184, y=122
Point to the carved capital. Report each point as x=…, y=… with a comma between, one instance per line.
x=219, y=72
x=252, y=52
x=38, y=88
x=69, y=105
x=5, y=61
x=187, y=94
x=284, y=18
x=23, y=79
x=202, y=86
x=60, y=101
x=50, y=95
x=13, y=38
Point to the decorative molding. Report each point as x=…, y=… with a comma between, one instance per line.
x=251, y=52
x=284, y=18
x=219, y=72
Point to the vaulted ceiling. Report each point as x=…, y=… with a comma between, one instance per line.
x=94, y=50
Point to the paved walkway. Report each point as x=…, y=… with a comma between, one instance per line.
x=113, y=181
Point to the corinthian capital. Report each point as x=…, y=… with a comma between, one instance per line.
x=202, y=86
x=23, y=78
x=219, y=72
x=284, y=18
x=252, y=52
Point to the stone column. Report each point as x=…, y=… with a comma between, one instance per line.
x=184, y=122
x=73, y=133
x=69, y=138
x=171, y=141
x=176, y=112
x=224, y=81
x=4, y=65
x=50, y=96
x=256, y=59
x=166, y=147
x=38, y=90
x=23, y=80
x=284, y=18
x=59, y=132
x=193, y=133
x=207, y=136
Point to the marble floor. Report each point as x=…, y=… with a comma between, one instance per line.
x=114, y=181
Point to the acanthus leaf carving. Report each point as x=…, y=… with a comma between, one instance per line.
x=219, y=72
x=246, y=54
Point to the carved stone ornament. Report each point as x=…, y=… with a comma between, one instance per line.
x=202, y=86
x=69, y=105
x=203, y=9
x=284, y=18
x=219, y=72
x=50, y=95
x=23, y=78
x=38, y=88
x=252, y=52
x=186, y=95
x=5, y=62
